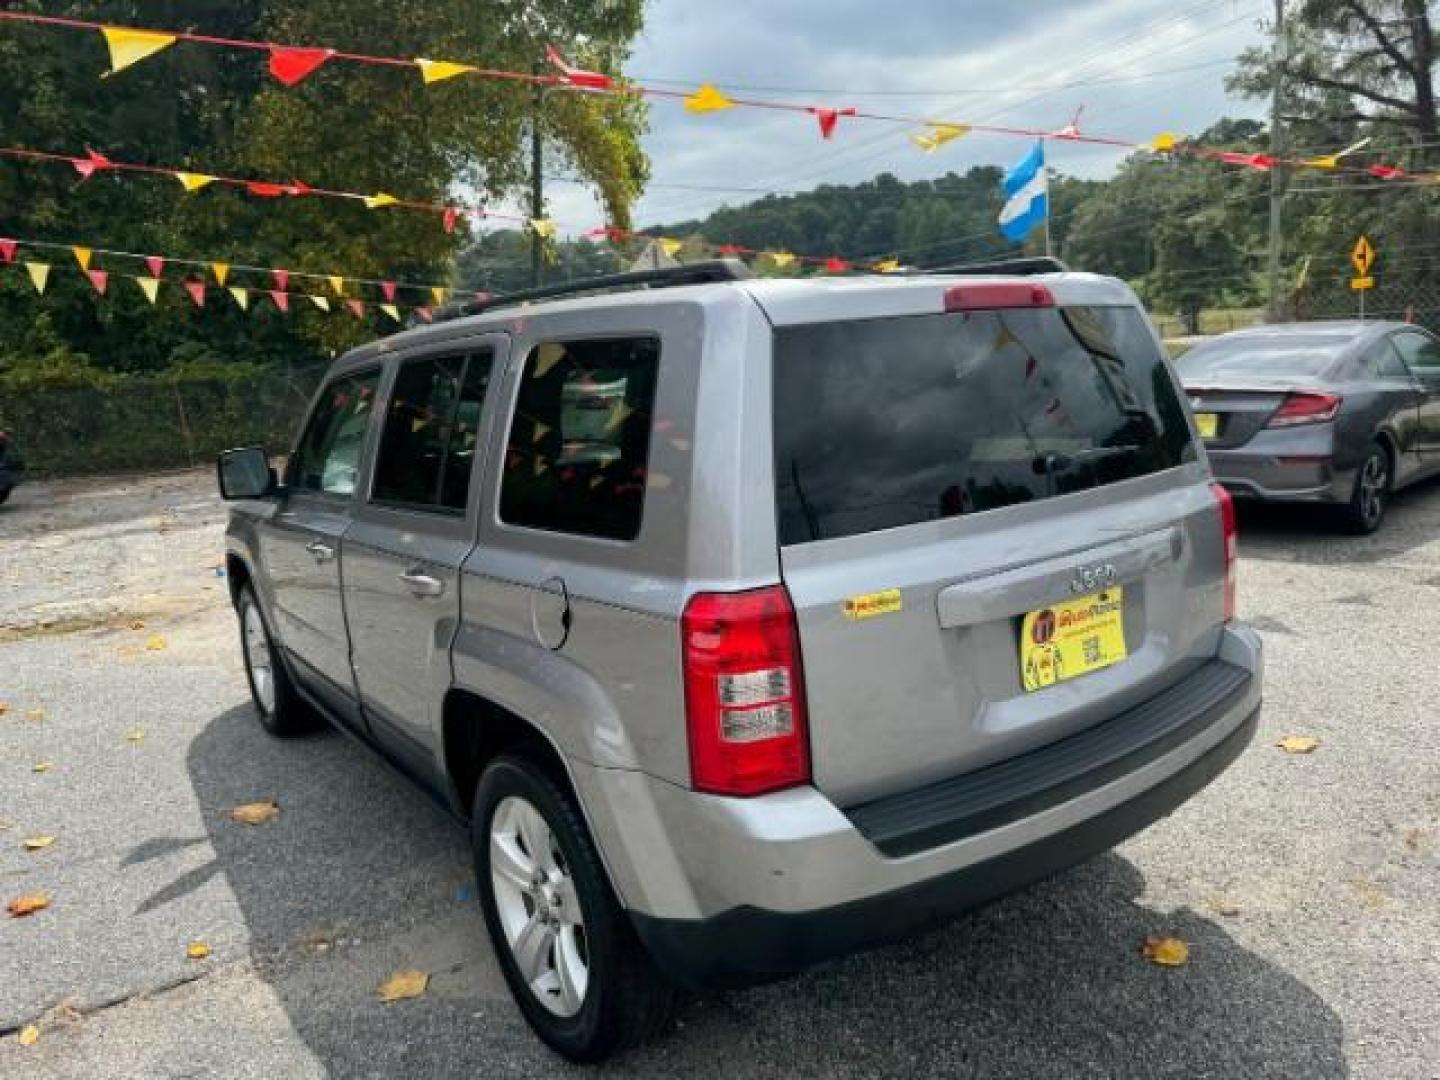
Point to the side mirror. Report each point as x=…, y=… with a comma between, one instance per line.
x=245, y=474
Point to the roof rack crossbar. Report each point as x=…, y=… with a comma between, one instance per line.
x=1038, y=264
x=700, y=273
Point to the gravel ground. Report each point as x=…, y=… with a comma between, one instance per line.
x=1306, y=886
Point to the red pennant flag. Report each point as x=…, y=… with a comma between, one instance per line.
x=425, y=314
x=282, y=279
x=1385, y=172
x=298, y=188
x=100, y=279
x=834, y=265
x=262, y=190
x=156, y=265
x=452, y=216
x=92, y=163
x=573, y=76
x=292, y=66
x=7, y=250
x=388, y=288
x=731, y=250
x=1262, y=162
x=829, y=118
x=357, y=308
x=196, y=289
x=282, y=299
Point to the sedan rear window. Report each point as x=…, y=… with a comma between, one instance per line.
x=1262, y=357
x=889, y=422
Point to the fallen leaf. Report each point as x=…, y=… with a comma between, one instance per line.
x=4, y=707
x=1226, y=908
x=1298, y=744
x=35, y=715
x=1371, y=894
x=42, y=766
x=137, y=624
x=22, y=906
x=1416, y=840
x=156, y=644
x=255, y=813
x=135, y=735
x=197, y=950
x=29, y=1035
x=38, y=843
x=1165, y=951
x=402, y=985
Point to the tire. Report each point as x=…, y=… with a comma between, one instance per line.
x=1365, y=512
x=4, y=494
x=613, y=998
x=279, y=708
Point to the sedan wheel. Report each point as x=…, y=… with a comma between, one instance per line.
x=1372, y=493
x=257, y=656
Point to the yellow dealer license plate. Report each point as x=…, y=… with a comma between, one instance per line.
x=1072, y=639
x=1208, y=424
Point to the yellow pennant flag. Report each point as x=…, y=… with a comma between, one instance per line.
x=322, y=302
x=39, y=274
x=131, y=46
x=83, y=256
x=939, y=135
x=338, y=284
x=670, y=247
x=543, y=227
x=1328, y=161
x=887, y=266
x=440, y=293
x=375, y=202
x=1164, y=142
x=391, y=310
x=433, y=71
x=242, y=297
x=150, y=287
x=707, y=99
x=782, y=259
x=222, y=272
x=193, y=182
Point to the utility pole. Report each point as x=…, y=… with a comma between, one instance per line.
x=1277, y=191
x=537, y=187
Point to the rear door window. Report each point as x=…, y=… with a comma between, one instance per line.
x=1381, y=361
x=890, y=422
x=579, y=451
x=427, y=451
x=328, y=458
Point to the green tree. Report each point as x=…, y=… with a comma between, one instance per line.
x=1196, y=260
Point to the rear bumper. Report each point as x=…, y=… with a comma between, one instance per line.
x=747, y=944
x=1282, y=477
x=726, y=891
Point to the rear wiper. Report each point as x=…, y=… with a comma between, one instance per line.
x=1048, y=464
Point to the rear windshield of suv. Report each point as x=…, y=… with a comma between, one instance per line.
x=889, y=422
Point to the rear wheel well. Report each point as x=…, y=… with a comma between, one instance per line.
x=477, y=731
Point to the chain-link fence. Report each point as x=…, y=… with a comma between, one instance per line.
x=135, y=422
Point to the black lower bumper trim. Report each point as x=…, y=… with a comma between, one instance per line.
x=747, y=945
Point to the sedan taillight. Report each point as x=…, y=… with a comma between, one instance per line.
x=1305, y=407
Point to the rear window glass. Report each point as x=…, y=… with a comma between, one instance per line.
x=579, y=453
x=1299, y=354
x=889, y=422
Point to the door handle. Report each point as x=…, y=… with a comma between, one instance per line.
x=321, y=551
x=422, y=584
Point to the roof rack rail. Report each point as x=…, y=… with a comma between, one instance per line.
x=1038, y=264
x=700, y=273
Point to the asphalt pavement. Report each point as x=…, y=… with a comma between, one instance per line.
x=1305, y=885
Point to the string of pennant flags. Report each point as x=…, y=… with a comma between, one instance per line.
x=292, y=64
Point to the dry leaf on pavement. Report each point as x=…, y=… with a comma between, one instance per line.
x=38, y=843
x=1165, y=951
x=135, y=735
x=156, y=643
x=1298, y=744
x=4, y=707
x=255, y=813
x=22, y=906
x=42, y=766
x=29, y=1035
x=137, y=624
x=197, y=950
x=402, y=985
x=35, y=715
x=1222, y=906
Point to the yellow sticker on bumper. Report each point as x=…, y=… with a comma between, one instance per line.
x=872, y=605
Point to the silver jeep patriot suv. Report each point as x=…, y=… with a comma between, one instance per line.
x=748, y=623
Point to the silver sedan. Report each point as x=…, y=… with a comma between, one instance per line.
x=1341, y=413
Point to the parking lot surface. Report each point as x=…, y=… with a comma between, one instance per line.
x=1306, y=885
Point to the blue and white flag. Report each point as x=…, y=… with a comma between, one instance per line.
x=1027, y=195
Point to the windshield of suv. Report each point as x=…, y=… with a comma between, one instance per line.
x=889, y=422
x=1262, y=357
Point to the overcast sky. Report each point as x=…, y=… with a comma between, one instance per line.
x=1138, y=67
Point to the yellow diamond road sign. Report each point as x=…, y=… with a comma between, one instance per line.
x=1362, y=257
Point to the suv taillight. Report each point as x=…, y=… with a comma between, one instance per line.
x=1305, y=407
x=744, y=693
x=1231, y=534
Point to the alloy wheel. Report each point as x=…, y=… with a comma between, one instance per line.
x=1374, y=483
x=539, y=907
x=258, y=657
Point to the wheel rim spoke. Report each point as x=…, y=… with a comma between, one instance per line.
x=570, y=967
x=533, y=949
x=568, y=901
x=508, y=863
x=536, y=835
